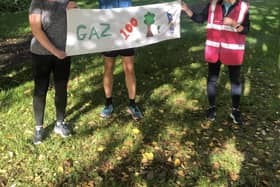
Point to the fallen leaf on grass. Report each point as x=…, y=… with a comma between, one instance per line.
x=177, y=162
x=146, y=157
x=100, y=148
x=27, y=91
x=68, y=163
x=60, y=169
x=3, y=171
x=234, y=176
x=3, y=181
x=135, y=131
x=181, y=173
x=41, y=157
x=216, y=165
x=265, y=182
x=207, y=125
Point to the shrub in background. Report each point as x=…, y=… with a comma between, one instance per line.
x=14, y=5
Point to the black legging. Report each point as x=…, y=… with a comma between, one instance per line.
x=43, y=66
x=236, y=86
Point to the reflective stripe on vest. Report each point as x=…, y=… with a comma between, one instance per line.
x=221, y=27
x=225, y=45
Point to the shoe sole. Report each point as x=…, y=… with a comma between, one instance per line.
x=62, y=135
x=106, y=117
x=233, y=119
x=211, y=119
x=37, y=143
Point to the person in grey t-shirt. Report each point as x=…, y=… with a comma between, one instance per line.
x=47, y=20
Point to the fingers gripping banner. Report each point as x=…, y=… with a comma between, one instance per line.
x=98, y=30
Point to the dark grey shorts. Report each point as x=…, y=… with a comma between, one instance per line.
x=123, y=52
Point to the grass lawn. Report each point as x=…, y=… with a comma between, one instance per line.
x=173, y=145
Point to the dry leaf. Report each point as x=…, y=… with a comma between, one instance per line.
x=60, y=169
x=135, y=131
x=177, y=162
x=181, y=173
x=100, y=148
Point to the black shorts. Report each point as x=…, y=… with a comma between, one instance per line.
x=123, y=52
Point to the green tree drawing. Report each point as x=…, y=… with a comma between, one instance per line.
x=149, y=20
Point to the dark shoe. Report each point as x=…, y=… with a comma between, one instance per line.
x=211, y=113
x=38, y=135
x=135, y=112
x=236, y=116
x=62, y=129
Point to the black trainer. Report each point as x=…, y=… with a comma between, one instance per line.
x=236, y=116
x=38, y=135
x=211, y=113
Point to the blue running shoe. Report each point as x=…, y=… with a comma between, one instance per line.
x=135, y=112
x=107, y=111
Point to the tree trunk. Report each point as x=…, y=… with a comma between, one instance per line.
x=149, y=31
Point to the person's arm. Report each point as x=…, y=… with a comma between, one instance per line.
x=242, y=28
x=72, y=4
x=198, y=18
x=245, y=25
x=36, y=28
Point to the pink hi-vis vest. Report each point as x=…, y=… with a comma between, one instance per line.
x=223, y=42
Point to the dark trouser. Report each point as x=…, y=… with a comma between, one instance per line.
x=236, y=86
x=43, y=66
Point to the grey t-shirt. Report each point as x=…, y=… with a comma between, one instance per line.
x=53, y=20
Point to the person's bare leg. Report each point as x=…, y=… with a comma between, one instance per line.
x=130, y=80
x=109, y=64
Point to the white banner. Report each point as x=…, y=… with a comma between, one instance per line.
x=99, y=30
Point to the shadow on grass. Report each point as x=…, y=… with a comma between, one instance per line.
x=256, y=140
x=172, y=130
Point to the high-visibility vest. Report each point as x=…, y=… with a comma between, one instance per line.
x=223, y=42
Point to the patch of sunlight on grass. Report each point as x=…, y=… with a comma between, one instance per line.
x=196, y=48
x=264, y=47
x=195, y=65
x=162, y=92
x=118, y=67
x=274, y=12
x=279, y=96
x=251, y=40
x=203, y=182
x=178, y=72
x=256, y=27
x=227, y=158
x=178, y=103
x=206, y=182
x=270, y=17
x=256, y=17
x=227, y=86
x=247, y=87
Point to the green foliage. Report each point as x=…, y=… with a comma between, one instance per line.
x=14, y=5
x=14, y=25
x=149, y=18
